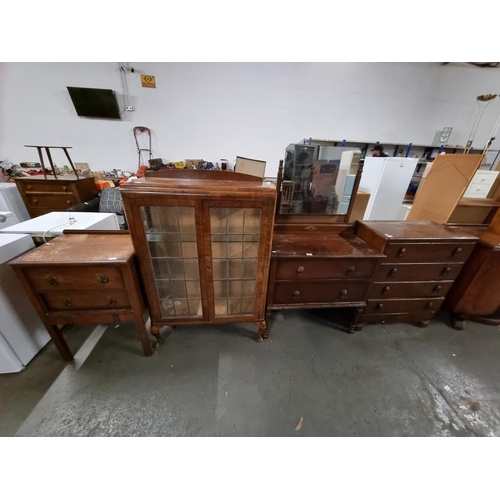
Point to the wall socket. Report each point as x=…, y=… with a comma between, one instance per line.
x=129, y=108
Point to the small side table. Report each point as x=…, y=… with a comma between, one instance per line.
x=84, y=279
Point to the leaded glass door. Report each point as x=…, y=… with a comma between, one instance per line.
x=173, y=249
x=234, y=246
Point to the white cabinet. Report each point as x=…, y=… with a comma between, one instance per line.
x=22, y=333
x=387, y=180
x=481, y=183
x=11, y=201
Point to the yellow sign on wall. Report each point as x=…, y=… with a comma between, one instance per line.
x=148, y=81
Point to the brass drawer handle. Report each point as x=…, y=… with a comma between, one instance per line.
x=29, y=187
x=401, y=252
x=296, y=294
x=428, y=305
x=393, y=272
x=51, y=280
x=67, y=302
x=35, y=201
x=386, y=289
x=446, y=271
x=65, y=188
x=457, y=251
x=68, y=202
x=343, y=294
x=437, y=289
x=111, y=301
x=351, y=271
x=300, y=271
x=101, y=278
x=379, y=306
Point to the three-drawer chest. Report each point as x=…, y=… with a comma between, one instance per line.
x=423, y=259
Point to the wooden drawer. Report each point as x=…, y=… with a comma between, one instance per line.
x=319, y=292
x=52, y=200
x=74, y=278
x=403, y=305
x=48, y=187
x=409, y=289
x=88, y=300
x=312, y=269
x=89, y=318
x=396, y=317
x=417, y=272
x=428, y=252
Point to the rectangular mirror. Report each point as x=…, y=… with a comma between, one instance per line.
x=318, y=179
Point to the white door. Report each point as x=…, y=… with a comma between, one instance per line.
x=392, y=188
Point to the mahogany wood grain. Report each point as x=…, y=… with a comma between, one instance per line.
x=386, y=306
x=409, y=289
x=417, y=272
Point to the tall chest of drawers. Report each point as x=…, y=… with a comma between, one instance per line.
x=422, y=261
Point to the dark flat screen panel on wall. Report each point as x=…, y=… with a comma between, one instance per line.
x=95, y=103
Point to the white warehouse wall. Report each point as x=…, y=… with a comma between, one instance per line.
x=220, y=110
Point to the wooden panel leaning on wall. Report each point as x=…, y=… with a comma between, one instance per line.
x=203, y=239
x=444, y=187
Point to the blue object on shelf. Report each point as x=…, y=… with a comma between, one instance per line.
x=408, y=150
x=343, y=143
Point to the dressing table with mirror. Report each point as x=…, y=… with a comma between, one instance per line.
x=316, y=260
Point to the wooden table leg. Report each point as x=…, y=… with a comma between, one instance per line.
x=60, y=343
x=262, y=334
x=143, y=334
x=355, y=326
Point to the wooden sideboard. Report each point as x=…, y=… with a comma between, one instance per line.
x=42, y=196
x=475, y=295
x=422, y=261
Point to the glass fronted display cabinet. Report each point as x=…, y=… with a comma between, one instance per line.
x=203, y=240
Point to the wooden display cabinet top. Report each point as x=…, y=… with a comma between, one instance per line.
x=82, y=248
x=321, y=245
x=218, y=181
x=427, y=231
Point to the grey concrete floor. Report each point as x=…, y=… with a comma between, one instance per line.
x=388, y=380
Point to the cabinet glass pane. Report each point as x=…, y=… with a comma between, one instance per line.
x=171, y=236
x=235, y=236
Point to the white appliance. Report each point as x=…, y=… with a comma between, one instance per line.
x=55, y=223
x=22, y=334
x=8, y=219
x=11, y=201
x=387, y=180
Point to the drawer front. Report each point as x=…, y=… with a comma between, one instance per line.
x=409, y=289
x=478, y=189
x=89, y=300
x=319, y=292
x=81, y=278
x=87, y=318
x=51, y=200
x=428, y=252
x=396, y=317
x=403, y=305
x=46, y=187
x=484, y=177
x=304, y=269
x=417, y=272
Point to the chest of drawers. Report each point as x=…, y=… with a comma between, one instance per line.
x=320, y=271
x=42, y=196
x=84, y=279
x=422, y=261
